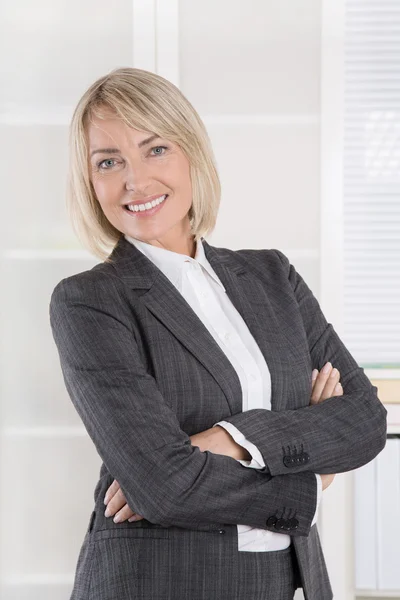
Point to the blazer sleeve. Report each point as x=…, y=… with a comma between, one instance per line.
x=338, y=435
x=258, y=462
x=137, y=435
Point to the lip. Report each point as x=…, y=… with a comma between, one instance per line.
x=145, y=213
x=149, y=199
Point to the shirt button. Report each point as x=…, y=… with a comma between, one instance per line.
x=253, y=377
x=227, y=335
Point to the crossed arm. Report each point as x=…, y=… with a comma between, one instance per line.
x=218, y=440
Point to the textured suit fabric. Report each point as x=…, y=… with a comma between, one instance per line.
x=268, y=577
x=144, y=374
x=186, y=565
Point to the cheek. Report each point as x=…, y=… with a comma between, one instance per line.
x=178, y=172
x=183, y=181
x=105, y=191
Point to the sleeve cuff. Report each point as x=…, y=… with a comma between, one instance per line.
x=257, y=461
x=319, y=496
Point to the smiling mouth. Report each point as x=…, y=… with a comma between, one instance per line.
x=148, y=207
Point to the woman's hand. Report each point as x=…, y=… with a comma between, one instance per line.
x=116, y=503
x=325, y=384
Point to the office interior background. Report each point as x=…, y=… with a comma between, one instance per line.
x=301, y=100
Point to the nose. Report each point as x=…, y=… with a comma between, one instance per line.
x=137, y=176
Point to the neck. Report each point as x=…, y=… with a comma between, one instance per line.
x=182, y=243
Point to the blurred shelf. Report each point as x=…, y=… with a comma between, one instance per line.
x=393, y=417
x=383, y=373
x=393, y=429
x=388, y=390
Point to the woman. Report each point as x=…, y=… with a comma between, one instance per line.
x=191, y=368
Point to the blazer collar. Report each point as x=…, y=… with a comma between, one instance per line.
x=139, y=272
x=172, y=263
x=247, y=293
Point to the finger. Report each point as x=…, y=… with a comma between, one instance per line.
x=320, y=383
x=314, y=376
x=123, y=514
x=112, y=490
x=338, y=391
x=135, y=517
x=116, y=503
x=330, y=384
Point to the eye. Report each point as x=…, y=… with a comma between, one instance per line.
x=157, y=147
x=100, y=164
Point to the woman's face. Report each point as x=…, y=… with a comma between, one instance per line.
x=125, y=166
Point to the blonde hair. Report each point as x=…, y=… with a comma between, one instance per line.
x=148, y=102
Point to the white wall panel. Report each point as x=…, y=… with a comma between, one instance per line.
x=33, y=390
x=388, y=515
x=259, y=56
x=365, y=527
x=33, y=175
x=37, y=590
x=57, y=48
x=270, y=184
x=46, y=504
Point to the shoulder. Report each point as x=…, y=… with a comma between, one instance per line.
x=270, y=258
x=261, y=261
x=95, y=286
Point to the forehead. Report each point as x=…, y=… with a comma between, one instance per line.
x=112, y=128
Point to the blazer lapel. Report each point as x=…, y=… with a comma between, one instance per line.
x=244, y=290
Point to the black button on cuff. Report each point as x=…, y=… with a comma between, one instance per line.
x=280, y=524
x=271, y=521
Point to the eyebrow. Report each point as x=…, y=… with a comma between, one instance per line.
x=117, y=151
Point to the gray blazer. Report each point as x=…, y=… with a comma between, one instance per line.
x=144, y=374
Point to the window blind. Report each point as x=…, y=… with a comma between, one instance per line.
x=371, y=182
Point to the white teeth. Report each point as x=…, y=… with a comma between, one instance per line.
x=148, y=205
